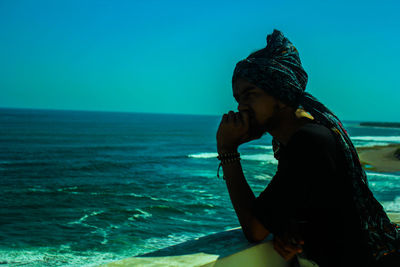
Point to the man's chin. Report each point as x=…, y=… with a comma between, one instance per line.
x=257, y=131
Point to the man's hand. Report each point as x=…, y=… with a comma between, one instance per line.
x=287, y=248
x=233, y=131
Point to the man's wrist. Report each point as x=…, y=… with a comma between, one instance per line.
x=223, y=150
x=227, y=156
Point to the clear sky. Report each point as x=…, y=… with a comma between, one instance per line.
x=178, y=56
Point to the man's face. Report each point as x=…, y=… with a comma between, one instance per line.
x=260, y=106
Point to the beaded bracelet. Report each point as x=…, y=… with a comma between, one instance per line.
x=229, y=155
x=226, y=158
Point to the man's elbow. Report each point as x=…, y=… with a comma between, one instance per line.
x=255, y=235
x=253, y=239
x=253, y=229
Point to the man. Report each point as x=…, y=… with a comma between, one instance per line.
x=318, y=203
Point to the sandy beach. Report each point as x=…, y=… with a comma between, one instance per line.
x=380, y=158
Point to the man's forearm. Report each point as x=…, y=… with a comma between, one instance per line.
x=242, y=198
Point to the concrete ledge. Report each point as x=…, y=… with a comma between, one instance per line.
x=227, y=248
x=223, y=249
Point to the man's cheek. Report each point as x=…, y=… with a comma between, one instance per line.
x=255, y=128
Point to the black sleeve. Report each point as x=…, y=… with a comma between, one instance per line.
x=300, y=185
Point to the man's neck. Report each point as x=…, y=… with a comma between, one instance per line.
x=288, y=123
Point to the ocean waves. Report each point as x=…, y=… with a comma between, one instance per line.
x=252, y=155
x=386, y=188
x=370, y=141
x=394, y=139
x=114, y=186
x=266, y=157
x=392, y=206
x=51, y=256
x=205, y=155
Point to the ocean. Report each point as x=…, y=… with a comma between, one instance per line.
x=81, y=188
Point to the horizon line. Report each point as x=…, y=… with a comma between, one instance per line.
x=150, y=113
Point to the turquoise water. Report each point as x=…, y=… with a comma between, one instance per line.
x=85, y=188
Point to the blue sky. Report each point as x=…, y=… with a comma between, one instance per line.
x=179, y=56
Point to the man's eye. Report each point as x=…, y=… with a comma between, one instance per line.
x=245, y=96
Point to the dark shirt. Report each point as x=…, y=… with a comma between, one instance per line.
x=311, y=198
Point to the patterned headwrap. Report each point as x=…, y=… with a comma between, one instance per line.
x=278, y=71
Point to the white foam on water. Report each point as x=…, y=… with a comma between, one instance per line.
x=159, y=199
x=370, y=144
x=205, y=155
x=84, y=217
x=136, y=195
x=383, y=175
x=68, y=188
x=395, y=139
x=39, y=189
x=383, y=186
x=141, y=215
x=155, y=243
x=49, y=256
x=392, y=206
x=202, y=173
x=210, y=212
x=261, y=157
x=265, y=157
x=261, y=147
x=103, y=233
x=181, y=219
x=263, y=177
x=384, y=182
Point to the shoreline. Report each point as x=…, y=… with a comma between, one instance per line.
x=379, y=158
x=380, y=124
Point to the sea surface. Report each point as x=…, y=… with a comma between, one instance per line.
x=85, y=188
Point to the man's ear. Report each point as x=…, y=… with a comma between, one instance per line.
x=281, y=105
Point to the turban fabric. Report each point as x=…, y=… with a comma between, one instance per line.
x=278, y=71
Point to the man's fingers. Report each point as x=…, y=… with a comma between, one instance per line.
x=292, y=243
x=234, y=117
x=290, y=255
x=280, y=252
x=245, y=116
x=229, y=117
x=287, y=255
x=238, y=118
x=224, y=120
x=278, y=243
x=286, y=250
x=281, y=249
x=284, y=253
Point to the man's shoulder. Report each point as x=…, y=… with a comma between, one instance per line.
x=313, y=149
x=313, y=135
x=315, y=130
